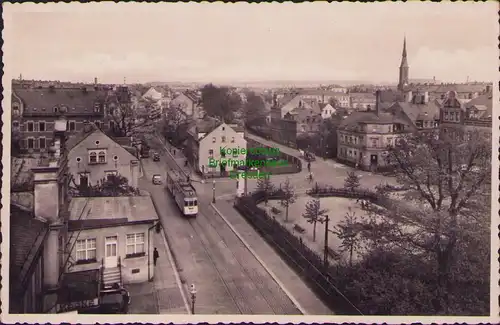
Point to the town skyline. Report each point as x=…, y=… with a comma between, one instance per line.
x=226, y=50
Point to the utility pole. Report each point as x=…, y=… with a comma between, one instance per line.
x=325, y=256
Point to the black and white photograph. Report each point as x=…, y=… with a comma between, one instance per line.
x=266, y=162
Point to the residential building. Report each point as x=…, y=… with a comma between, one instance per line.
x=34, y=112
x=362, y=101
x=363, y=137
x=206, y=137
x=28, y=239
x=188, y=103
x=112, y=234
x=93, y=156
x=327, y=111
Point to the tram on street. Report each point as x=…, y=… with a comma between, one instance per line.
x=183, y=193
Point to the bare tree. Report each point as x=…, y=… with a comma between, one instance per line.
x=314, y=214
x=351, y=182
x=447, y=176
x=266, y=186
x=124, y=120
x=348, y=231
x=289, y=196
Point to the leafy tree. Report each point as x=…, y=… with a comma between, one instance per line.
x=254, y=110
x=334, y=102
x=349, y=232
x=314, y=214
x=266, y=186
x=289, y=196
x=448, y=178
x=220, y=102
x=351, y=182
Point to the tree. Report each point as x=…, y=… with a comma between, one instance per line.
x=334, y=102
x=264, y=185
x=289, y=196
x=15, y=139
x=254, y=110
x=220, y=102
x=111, y=186
x=314, y=214
x=447, y=176
x=348, y=231
x=174, y=124
x=351, y=182
x=124, y=120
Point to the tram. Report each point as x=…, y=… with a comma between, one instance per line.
x=183, y=193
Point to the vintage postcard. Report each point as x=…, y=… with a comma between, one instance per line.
x=186, y=162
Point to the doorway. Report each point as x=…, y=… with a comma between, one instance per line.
x=111, y=252
x=373, y=162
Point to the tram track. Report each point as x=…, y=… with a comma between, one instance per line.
x=245, y=282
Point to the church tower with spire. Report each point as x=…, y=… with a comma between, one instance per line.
x=404, y=69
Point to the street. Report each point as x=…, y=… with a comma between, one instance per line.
x=228, y=278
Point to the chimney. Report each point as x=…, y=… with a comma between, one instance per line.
x=488, y=88
x=377, y=101
x=95, y=81
x=426, y=97
x=60, y=126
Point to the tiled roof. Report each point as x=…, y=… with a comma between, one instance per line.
x=390, y=96
x=26, y=238
x=207, y=124
x=459, y=88
x=38, y=100
x=429, y=111
x=483, y=103
x=75, y=139
x=358, y=96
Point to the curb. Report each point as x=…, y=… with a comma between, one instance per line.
x=271, y=273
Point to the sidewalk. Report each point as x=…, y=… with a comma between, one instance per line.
x=290, y=280
x=169, y=297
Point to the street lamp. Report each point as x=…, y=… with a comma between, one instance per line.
x=213, y=191
x=157, y=225
x=325, y=256
x=192, y=291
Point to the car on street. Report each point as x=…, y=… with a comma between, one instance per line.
x=157, y=179
x=156, y=156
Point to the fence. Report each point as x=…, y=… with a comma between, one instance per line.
x=309, y=265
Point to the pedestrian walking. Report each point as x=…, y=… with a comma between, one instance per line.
x=309, y=166
x=356, y=166
x=156, y=255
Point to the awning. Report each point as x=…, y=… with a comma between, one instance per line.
x=78, y=291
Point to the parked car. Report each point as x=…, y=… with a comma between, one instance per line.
x=156, y=156
x=157, y=179
x=114, y=302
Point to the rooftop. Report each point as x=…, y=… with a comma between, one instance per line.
x=98, y=212
x=44, y=100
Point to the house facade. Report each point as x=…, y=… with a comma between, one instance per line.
x=34, y=112
x=362, y=101
x=188, y=104
x=93, y=156
x=113, y=234
x=206, y=138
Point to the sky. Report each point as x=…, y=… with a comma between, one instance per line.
x=250, y=42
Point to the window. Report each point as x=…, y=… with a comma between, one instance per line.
x=102, y=157
x=42, y=143
x=86, y=250
x=15, y=124
x=41, y=126
x=93, y=158
x=31, y=143
x=232, y=140
x=72, y=126
x=211, y=152
x=110, y=174
x=30, y=127
x=223, y=139
x=214, y=139
x=389, y=141
x=135, y=243
x=55, y=109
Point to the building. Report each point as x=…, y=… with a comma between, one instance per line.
x=112, y=234
x=34, y=112
x=93, y=156
x=205, y=139
x=188, y=103
x=327, y=111
x=404, y=69
x=362, y=101
x=363, y=137
x=28, y=238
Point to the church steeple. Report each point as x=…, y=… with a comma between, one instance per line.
x=403, y=68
